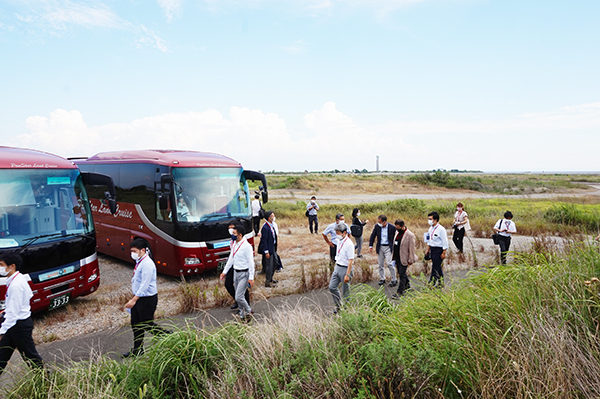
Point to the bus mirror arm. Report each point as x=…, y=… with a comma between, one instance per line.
x=252, y=175
x=165, y=179
x=98, y=179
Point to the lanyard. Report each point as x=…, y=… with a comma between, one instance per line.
x=507, y=223
x=341, y=245
x=235, y=251
x=138, y=263
x=11, y=279
x=458, y=216
x=272, y=229
x=431, y=235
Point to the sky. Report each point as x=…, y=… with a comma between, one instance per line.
x=294, y=85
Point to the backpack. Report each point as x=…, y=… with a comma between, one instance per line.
x=356, y=230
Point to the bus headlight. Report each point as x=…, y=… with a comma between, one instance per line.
x=191, y=261
x=93, y=277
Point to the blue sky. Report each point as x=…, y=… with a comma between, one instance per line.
x=308, y=84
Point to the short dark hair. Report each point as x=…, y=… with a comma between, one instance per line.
x=339, y=216
x=140, y=243
x=383, y=218
x=268, y=214
x=256, y=196
x=434, y=215
x=354, y=212
x=399, y=222
x=508, y=215
x=239, y=228
x=12, y=258
x=460, y=205
x=313, y=197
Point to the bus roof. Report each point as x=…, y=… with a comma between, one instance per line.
x=177, y=158
x=22, y=158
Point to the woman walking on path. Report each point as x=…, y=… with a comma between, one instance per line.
x=357, y=231
x=461, y=225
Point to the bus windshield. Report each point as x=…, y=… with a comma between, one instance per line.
x=210, y=194
x=40, y=205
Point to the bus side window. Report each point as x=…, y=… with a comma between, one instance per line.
x=163, y=214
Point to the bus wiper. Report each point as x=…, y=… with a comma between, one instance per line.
x=213, y=215
x=33, y=239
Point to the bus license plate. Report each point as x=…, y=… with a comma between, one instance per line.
x=59, y=301
x=221, y=264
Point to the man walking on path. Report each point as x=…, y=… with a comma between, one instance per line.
x=437, y=244
x=17, y=327
x=229, y=276
x=241, y=260
x=311, y=209
x=404, y=255
x=330, y=230
x=342, y=273
x=145, y=296
x=384, y=232
x=267, y=247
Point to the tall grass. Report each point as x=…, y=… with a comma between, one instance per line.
x=529, y=330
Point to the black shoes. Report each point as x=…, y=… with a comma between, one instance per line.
x=133, y=353
x=393, y=283
x=381, y=282
x=234, y=306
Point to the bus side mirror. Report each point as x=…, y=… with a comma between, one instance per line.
x=265, y=197
x=163, y=202
x=165, y=180
x=112, y=204
x=257, y=176
x=98, y=179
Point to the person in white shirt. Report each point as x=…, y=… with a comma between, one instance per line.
x=311, y=210
x=342, y=273
x=330, y=230
x=505, y=229
x=256, y=207
x=241, y=259
x=145, y=296
x=17, y=326
x=460, y=225
x=437, y=244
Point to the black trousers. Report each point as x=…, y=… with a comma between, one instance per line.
x=458, y=237
x=269, y=267
x=504, y=243
x=256, y=224
x=436, y=266
x=403, y=281
x=313, y=219
x=231, y=289
x=332, y=253
x=142, y=321
x=19, y=337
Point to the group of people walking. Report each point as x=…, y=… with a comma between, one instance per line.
x=395, y=246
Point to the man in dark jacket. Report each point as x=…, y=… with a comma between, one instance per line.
x=268, y=247
x=384, y=232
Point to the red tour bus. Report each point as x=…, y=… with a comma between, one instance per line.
x=180, y=201
x=45, y=217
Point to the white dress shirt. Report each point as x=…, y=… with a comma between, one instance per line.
x=437, y=236
x=241, y=258
x=255, y=207
x=312, y=208
x=331, y=231
x=345, y=252
x=143, y=282
x=384, y=235
x=18, y=295
x=506, y=224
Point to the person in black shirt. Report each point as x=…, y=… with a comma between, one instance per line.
x=357, y=231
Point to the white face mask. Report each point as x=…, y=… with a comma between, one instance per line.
x=340, y=221
x=3, y=271
x=458, y=209
x=312, y=201
x=430, y=222
x=230, y=232
x=274, y=218
x=357, y=213
x=135, y=256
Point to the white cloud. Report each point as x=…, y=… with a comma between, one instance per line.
x=261, y=140
x=172, y=8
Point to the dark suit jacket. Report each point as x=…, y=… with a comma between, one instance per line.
x=267, y=240
x=391, y=229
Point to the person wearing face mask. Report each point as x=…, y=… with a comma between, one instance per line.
x=145, y=296
x=17, y=327
x=404, y=255
x=229, y=286
x=311, y=212
x=461, y=226
x=357, y=231
x=437, y=244
x=342, y=273
x=241, y=260
x=330, y=230
x=505, y=229
x=384, y=233
x=268, y=247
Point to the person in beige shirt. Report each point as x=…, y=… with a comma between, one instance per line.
x=461, y=226
x=404, y=255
